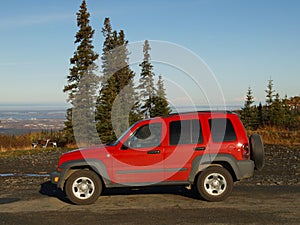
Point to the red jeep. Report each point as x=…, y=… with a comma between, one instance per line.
x=207, y=149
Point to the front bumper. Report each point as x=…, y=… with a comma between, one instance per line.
x=55, y=178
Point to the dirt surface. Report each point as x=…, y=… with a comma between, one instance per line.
x=272, y=196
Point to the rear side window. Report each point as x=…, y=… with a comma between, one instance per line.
x=222, y=130
x=185, y=132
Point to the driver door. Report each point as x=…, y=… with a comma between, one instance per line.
x=140, y=157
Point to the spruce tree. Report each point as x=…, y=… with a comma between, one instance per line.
x=269, y=100
x=68, y=129
x=82, y=81
x=247, y=114
x=277, y=117
x=260, y=115
x=116, y=106
x=270, y=92
x=146, y=86
x=161, y=105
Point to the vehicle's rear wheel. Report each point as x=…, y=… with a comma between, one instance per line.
x=257, y=152
x=83, y=187
x=215, y=183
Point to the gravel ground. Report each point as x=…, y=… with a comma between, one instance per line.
x=282, y=167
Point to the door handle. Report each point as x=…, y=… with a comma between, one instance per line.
x=199, y=148
x=152, y=152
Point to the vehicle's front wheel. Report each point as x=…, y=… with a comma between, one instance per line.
x=83, y=187
x=214, y=183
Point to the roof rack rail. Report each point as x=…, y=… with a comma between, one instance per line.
x=203, y=111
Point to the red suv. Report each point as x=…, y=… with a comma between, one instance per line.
x=209, y=150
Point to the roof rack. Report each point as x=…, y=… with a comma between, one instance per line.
x=203, y=111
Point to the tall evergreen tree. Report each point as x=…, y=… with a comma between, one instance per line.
x=82, y=81
x=269, y=100
x=116, y=106
x=260, y=120
x=270, y=92
x=247, y=114
x=161, y=105
x=68, y=129
x=146, y=86
x=277, y=117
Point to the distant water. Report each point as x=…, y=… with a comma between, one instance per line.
x=31, y=114
x=30, y=107
x=15, y=119
x=32, y=111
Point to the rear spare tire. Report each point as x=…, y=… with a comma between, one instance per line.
x=257, y=152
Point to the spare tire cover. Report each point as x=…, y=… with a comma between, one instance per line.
x=257, y=153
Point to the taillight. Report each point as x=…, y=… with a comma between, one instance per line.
x=246, y=151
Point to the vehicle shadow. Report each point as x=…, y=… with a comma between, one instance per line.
x=51, y=190
x=174, y=190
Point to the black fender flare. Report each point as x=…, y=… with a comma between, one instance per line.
x=239, y=169
x=68, y=168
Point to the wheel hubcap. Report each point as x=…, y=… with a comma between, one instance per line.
x=83, y=187
x=215, y=184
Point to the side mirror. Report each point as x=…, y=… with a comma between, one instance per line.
x=124, y=147
x=126, y=144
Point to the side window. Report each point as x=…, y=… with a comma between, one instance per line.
x=185, y=132
x=222, y=130
x=145, y=136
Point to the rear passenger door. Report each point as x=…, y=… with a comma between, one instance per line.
x=223, y=139
x=185, y=140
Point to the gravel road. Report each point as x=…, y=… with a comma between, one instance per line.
x=272, y=196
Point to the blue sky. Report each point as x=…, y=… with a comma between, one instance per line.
x=244, y=42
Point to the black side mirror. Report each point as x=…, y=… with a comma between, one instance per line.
x=124, y=147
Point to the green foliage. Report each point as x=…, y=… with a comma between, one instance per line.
x=270, y=92
x=153, y=99
x=248, y=114
x=161, y=105
x=146, y=86
x=84, y=56
x=68, y=129
x=116, y=106
x=278, y=113
x=82, y=83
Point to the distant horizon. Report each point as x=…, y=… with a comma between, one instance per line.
x=34, y=106
x=62, y=106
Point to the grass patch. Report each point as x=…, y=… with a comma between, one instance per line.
x=277, y=136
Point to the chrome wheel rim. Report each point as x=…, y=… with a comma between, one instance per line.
x=215, y=184
x=83, y=188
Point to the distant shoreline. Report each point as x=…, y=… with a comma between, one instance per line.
x=64, y=107
x=33, y=106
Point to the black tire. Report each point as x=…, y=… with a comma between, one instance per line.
x=215, y=183
x=83, y=187
x=257, y=152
